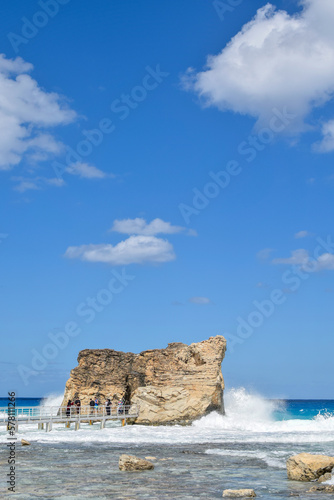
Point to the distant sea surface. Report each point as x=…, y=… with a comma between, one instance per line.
x=247, y=448
x=22, y=402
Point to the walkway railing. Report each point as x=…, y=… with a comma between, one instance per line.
x=56, y=414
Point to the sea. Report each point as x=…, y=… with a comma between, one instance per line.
x=246, y=448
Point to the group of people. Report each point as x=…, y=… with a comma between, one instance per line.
x=108, y=404
x=75, y=406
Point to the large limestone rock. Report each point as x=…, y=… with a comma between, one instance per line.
x=132, y=463
x=307, y=467
x=176, y=384
x=239, y=494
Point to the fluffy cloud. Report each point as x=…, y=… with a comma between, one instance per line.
x=298, y=257
x=140, y=226
x=264, y=254
x=134, y=250
x=327, y=143
x=200, y=300
x=86, y=171
x=302, y=234
x=27, y=112
x=303, y=259
x=277, y=61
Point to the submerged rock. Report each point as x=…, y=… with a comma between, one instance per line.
x=307, y=467
x=239, y=493
x=173, y=385
x=25, y=443
x=325, y=488
x=132, y=463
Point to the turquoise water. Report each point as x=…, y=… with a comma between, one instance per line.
x=285, y=409
x=22, y=402
x=305, y=409
x=247, y=448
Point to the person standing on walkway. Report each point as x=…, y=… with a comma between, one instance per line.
x=108, y=406
x=77, y=404
x=68, y=408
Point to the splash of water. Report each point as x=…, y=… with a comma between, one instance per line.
x=52, y=400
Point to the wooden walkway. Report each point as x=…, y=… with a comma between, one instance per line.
x=45, y=416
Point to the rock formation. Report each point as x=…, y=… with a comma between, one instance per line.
x=307, y=467
x=132, y=463
x=239, y=494
x=176, y=384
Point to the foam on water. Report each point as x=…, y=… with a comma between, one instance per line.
x=54, y=400
x=249, y=419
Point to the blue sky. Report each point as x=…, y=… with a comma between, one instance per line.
x=153, y=195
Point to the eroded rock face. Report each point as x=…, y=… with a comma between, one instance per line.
x=307, y=467
x=176, y=384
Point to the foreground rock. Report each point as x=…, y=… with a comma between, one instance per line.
x=325, y=477
x=307, y=467
x=25, y=443
x=239, y=493
x=176, y=384
x=132, y=463
x=324, y=488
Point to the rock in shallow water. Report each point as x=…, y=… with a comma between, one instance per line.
x=239, y=494
x=24, y=442
x=307, y=467
x=325, y=488
x=132, y=463
x=325, y=477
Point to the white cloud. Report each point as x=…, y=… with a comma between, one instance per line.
x=298, y=257
x=86, y=171
x=35, y=183
x=277, y=60
x=326, y=261
x=302, y=258
x=302, y=234
x=200, y=300
x=327, y=143
x=134, y=250
x=140, y=226
x=26, y=114
x=264, y=254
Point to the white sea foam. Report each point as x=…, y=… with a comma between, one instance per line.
x=54, y=400
x=249, y=419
